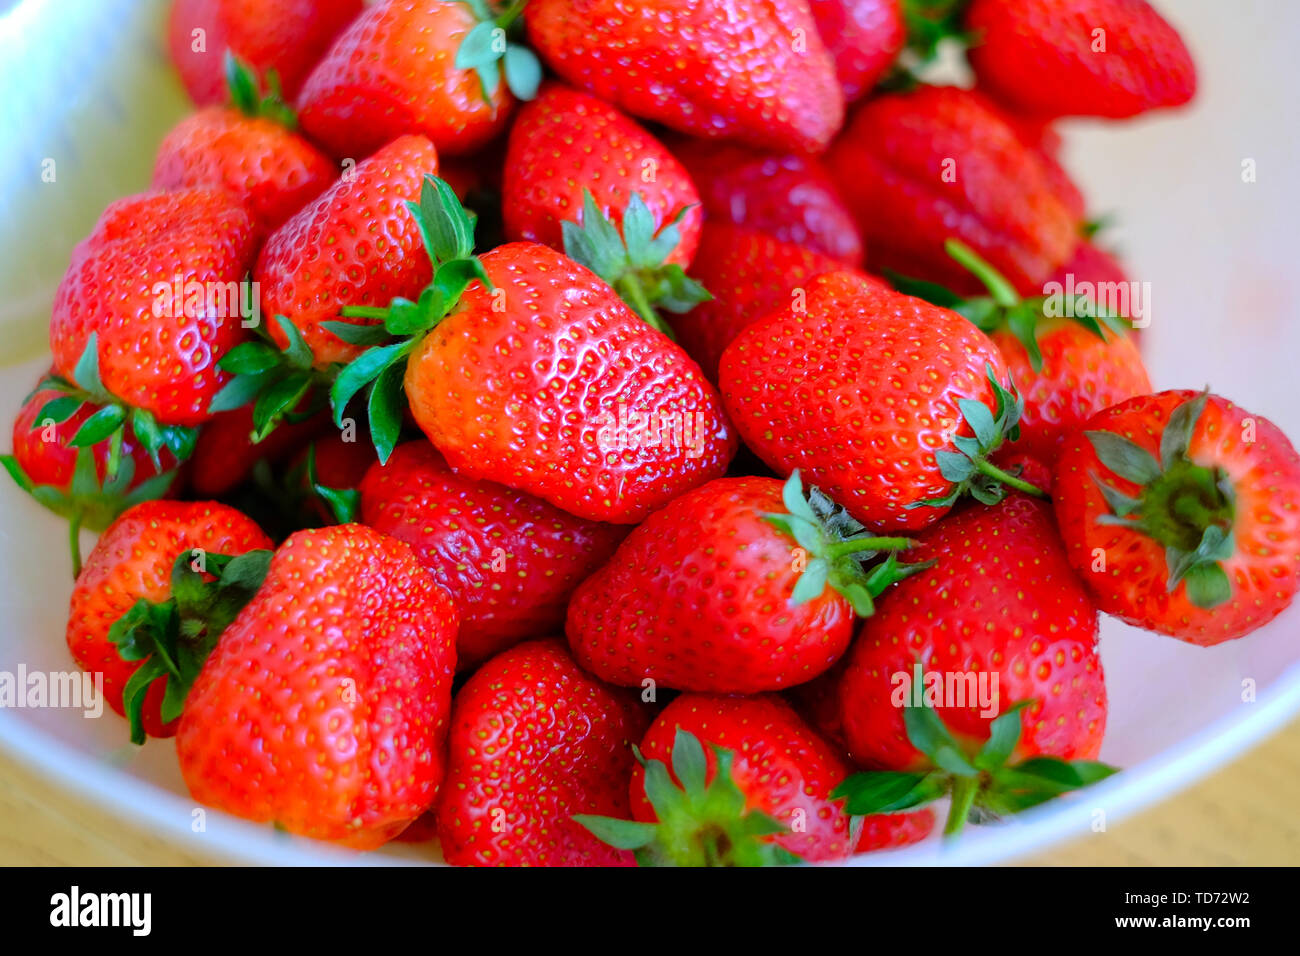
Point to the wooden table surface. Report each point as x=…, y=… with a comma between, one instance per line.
x=1246, y=814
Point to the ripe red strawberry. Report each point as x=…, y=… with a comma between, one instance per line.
x=142, y=615
x=863, y=36
x=324, y=706
x=893, y=831
x=737, y=587
x=749, y=274
x=149, y=305
x=1051, y=58
x=535, y=740
x=759, y=74
x=989, y=655
x=1181, y=514
x=248, y=151
x=790, y=196
x=400, y=68
x=357, y=244
x=225, y=454
x=918, y=168
x=286, y=36
x=566, y=141
x=750, y=784
x=509, y=560
x=869, y=392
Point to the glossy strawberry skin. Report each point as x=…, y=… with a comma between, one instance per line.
x=355, y=244
x=698, y=598
x=919, y=168
x=1131, y=584
x=1081, y=374
x=392, y=72
x=509, y=560
x=787, y=195
x=565, y=142
x=142, y=245
x=271, y=170
x=863, y=36
x=781, y=765
x=534, y=740
x=287, y=36
x=1040, y=57
x=132, y=560
x=749, y=274
x=678, y=62
x=1001, y=598
x=858, y=389
x=523, y=386
x=324, y=706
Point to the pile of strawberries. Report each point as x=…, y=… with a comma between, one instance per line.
x=498, y=438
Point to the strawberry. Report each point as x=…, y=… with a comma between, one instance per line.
x=910, y=696
x=1181, y=514
x=1114, y=58
x=525, y=369
x=509, y=560
x=330, y=471
x=565, y=141
x=1069, y=359
x=758, y=794
x=759, y=74
x=88, y=483
x=790, y=196
x=249, y=150
x=1093, y=269
x=144, y=612
x=869, y=392
x=225, y=454
x=535, y=740
x=863, y=36
x=415, y=66
x=284, y=37
x=149, y=305
x=324, y=705
x=749, y=274
x=893, y=831
x=920, y=167
x=737, y=587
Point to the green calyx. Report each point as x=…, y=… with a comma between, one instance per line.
x=246, y=96
x=491, y=50
x=983, y=785
x=701, y=822
x=343, y=503
x=174, y=637
x=447, y=230
x=634, y=262
x=1185, y=507
x=929, y=23
x=838, y=550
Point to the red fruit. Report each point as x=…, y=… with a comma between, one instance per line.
x=287, y=36
x=225, y=453
x=356, y=244
x=509, y=560
x=860, y=388
x=269, y=169
x=759, y=74
x=1003, y=567
x=533, y=741
x=1181, y=514
x=892, y=831
x=780, y=765
x=132, y=561
x=565, y=142
x=863, y=36
x=158, y=283
x=529, y=385
x=324, y=706
x=1051, y=58
x=919, y=168
x=787, y=195
x=750, y=274
x=393, y=72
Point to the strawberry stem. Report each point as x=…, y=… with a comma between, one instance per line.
x=964, y=791
x=74, y=542
x=1008, y=479
x=867, y=544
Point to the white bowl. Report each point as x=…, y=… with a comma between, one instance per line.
x=86, y=83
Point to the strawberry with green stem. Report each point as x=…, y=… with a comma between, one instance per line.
x=490, y=52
